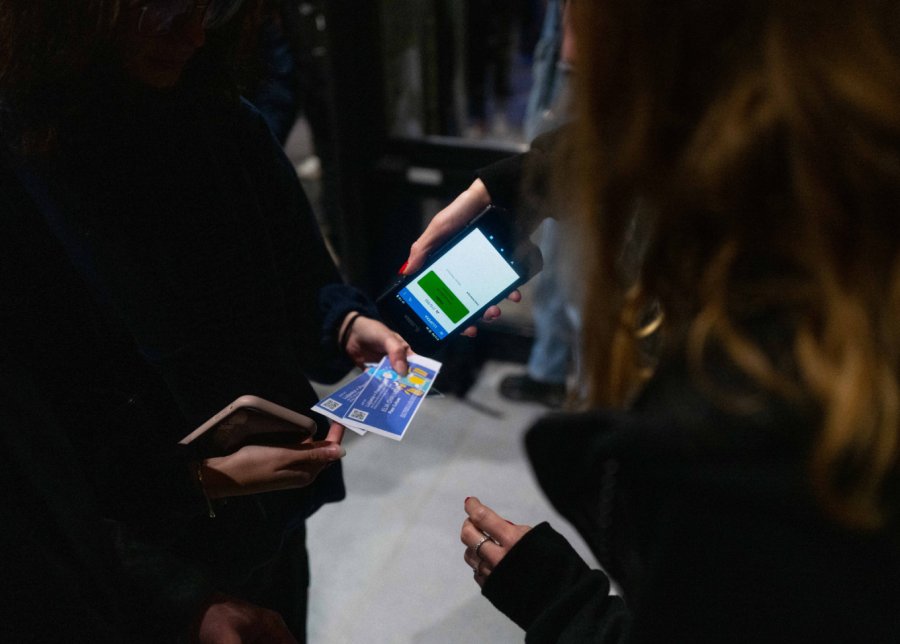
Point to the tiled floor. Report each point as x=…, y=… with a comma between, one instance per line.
x=387, y=562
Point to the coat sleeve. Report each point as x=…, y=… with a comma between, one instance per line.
x=547, y=589
x=521, y=183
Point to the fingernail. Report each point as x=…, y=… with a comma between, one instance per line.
x=402, y=270
x=467, y=499
x=510, y=522
x=338, y=451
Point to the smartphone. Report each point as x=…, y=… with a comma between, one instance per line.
x=249, y=420
x=475, y=269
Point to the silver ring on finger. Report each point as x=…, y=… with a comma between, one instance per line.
x=478, y=545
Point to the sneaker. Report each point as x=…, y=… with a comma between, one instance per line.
x=523, y=388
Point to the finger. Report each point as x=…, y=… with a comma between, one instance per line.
x=335, y=433
x=397, y=350
x=492, y=313
x=321, y=452
x=469, y=535
x=483, y=569
x=435, y=233
x=470, y=332
x=515, y=296
x=471, y=560
x=480, y=545
x=417, y=254
x=486, y=520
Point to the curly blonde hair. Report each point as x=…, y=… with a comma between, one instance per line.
x=762, y=139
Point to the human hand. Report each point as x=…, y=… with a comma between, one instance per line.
x=262, y=468
x=228, y=620
x=444, y=225
x=370, y=339
x=487, y=537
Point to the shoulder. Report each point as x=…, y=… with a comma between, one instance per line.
x=232, y=120
x=677, y=427
x=237, y=130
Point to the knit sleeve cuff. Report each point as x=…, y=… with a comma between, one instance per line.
x=534, y=575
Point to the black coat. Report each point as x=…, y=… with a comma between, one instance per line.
x=184, y=269
x=92, y=479
x=705, y=519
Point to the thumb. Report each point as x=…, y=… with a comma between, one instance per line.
x=418, y=253
x=472, y=504
x=397, y=350
x=335, y=433
x=319, y=452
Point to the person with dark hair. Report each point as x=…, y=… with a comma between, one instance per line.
x=749, y=490
x=164, y=261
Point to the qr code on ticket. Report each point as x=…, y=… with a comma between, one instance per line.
x=358, y=414
x=331, y=404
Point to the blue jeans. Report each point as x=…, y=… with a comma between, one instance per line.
x=555, y=319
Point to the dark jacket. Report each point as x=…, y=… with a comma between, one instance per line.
x=181, y=269
x=705, y=519
x=189, y=223
x=92, y=479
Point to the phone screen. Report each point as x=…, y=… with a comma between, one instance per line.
x=459, y=283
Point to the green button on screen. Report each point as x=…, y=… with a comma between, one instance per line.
x=438, y=291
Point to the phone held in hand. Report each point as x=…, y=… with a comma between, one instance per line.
x=249, y=420
x=477, y=268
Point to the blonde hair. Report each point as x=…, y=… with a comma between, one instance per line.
x=763, y=139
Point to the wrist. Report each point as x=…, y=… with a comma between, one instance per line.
x=347, y=328
x=478, y=195
x=201, y=475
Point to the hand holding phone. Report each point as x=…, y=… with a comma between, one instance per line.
x=474, y=270
x=445, y=224
x=249, y=420
x=254, y=469
x=454, y=217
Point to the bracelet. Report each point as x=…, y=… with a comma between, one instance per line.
x=345, y=335
x=209, y=505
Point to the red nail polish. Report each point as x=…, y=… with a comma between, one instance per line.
x=403, y=268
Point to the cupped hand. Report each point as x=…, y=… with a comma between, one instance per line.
x=469, y=204
x=228, y=620
x=370, y=340
x=262, y=468
x=496, y=537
